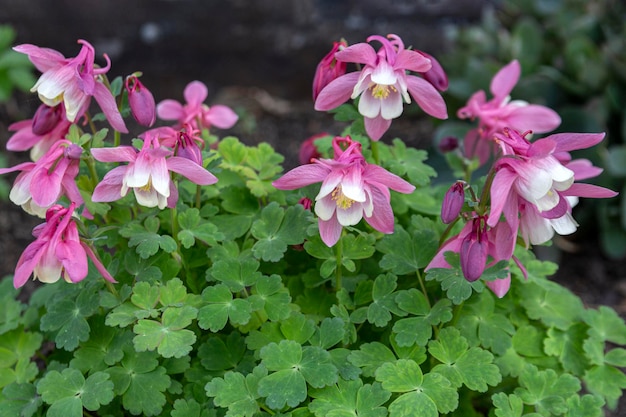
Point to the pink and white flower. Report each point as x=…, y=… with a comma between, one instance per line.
x=73, y=81
x=351, y=189
x=383, y=84
x=538, y=180
x=147, y=173
x=57, y=251
x=195, y=112
x=42, y=183
x=500, y=112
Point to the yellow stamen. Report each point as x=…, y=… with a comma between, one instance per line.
x=381, y=91
x=341, y=200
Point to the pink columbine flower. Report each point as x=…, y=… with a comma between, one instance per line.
x=38, y=134
x=73, y=81
x=147, y=173
x=351, y=189
x=500, y=112
x=195, y=112
x=308, y=150
x=538, y=180
x=185, y=142
x=141, y=101
x=329, y=69
x=41, y=184
x=475, y=244
x=57, y=251
x=383, y=84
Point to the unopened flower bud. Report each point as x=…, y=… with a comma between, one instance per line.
x=308, y=151
x=435, y=75
x=46, y=118
x=188, y=148
x=453, y=202
x=473, y=255
x=448, y=144
x=306, y=203
x=141, y=101
x=73, y=151
x=328, y=69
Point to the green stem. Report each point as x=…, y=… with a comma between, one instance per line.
x=338, y=258
x=423, y=287
x=92, y=126
x=117, y=138
x=92, y=171
x=198, y=197
x=375, y=153
x=111, y=288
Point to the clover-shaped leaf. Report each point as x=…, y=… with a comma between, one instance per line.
x=169, y=336
x=20, y=400
x=68, y=392
x=277, y=229
x=349, y=398
x=237, y=273
x=370, y=357
x=220, y=307
x=145, y=238
x=409, y=161
x=418, y=329
x=270, y=295
x=222, y=353
x=457, y=288
x=550, y=303
x=463, y=365
x=384, y=303
x=546, y=390
x=605, y=324
x=193, y=227
x=406, y=253
x=237, y=392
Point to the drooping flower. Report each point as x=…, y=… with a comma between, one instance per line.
x=147, y=173
x=308, y=151
x=141, y=101
x=383, y=84
x=57, y=251
x=351, y=189
x=500, y=112
x=195, y=112
x=42, y=183
x=538, y=180
x=476, y=242
x=328, y=69
x=73, y=81
x=185, y=142
x=453, y=202
x=39, y=134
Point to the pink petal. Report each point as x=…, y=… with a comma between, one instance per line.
x=539, y=119
x=110, y=188
x=190, y=170
x=376, y=127
x=301, y=177
x=500, y=286
x=541, y=148
x=96, y=261
x=195, y=93
x=382, y=215
x=375, y=173
x=221, y=116
x=27, y=262
x=107, y=103
x=337, y=92
x=583, y=169
x=503, y=82
x=580, y=189
x=360, y=53
x=501, y=191
x=330, y=231
x=73, y=258
x=477, y=146
x=427, y=97
x=572, y=141
x=117, y=154
x=170, y=110
x=412, y=61
x=44, y=59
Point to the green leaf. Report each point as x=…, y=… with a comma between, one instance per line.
x=607, y=382
x=407, y=253
x=103, y=348
x=236, y=273
x=20, y=400
x=286, y=385
x=348, y=399
x=384, y=303
x=418, y=330
x=277, y=228
x=460, y=364
x=145, y=238
x=457, y=288
x=169, y=337
x=270, y=295
x=605, y=324
x=68, y=318
x=370, y=357
x=140, y=382
x=193, y=227
x=297, y=327
x=550, y=303
x=236, y=392
x=189, y=408
x=546, y=390
x=509, y=406
x=568, y=347
x=220, y=307
x=430, y=393
x=317, y=367
x=331, y=331
x=586, y=406
x=68, y=392
x=10, y=307
x=409, y=161
x=221, y=353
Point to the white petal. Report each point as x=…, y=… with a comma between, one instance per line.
x=369, y=106
x=325, y=208
x=384, y=74
x=351, y=215
x=391, y=107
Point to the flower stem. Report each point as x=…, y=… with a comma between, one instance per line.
x=339, y=258
x=423, y=287
x=375, y=153
x=198, y=197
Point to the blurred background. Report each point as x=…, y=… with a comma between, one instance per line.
x=259, y=57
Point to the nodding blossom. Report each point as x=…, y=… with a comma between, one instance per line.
x=141, y=101
x=42, y=183
x=500, y=112
x=328, y=69
x=147, y=173
x=58, y=251
x=194, y=112
x=383, y=83
x=351, y=189
x=73, y=81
